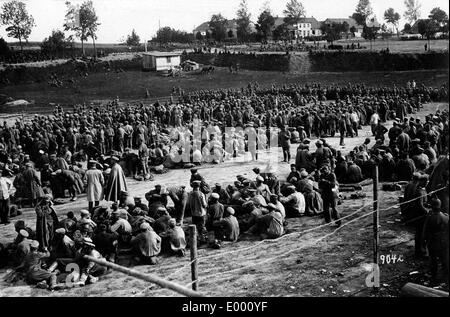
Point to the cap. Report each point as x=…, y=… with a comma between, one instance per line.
x=84, y=212
x=145, y=226
x=60, y=231
x=272, y=206
x=230, y=210
x=24, y=233
x=304, y=174
x=259, y=178
x=215, y=195
x=435, y=203
x=88, y=241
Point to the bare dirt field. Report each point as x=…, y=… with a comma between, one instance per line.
x=132, y=85
x=310, y=260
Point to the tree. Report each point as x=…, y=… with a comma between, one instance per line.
x=199, y=36
x=281, y=32
x=333, y=31
x=407, y=28
x=4, y=48
x=369, y=33
x=362, y=12
x=19, y=23
x=55, y=43
x=440, y=18
x=164, y=35
x=168, y=35
x=392, y=17
x=265, y=24
x=427, y=28
x=294, y=12
x=243, y=21
x=353, y=30
x=90, y=18
x=218, y=25
x=412, y=13
x=82, y=20
x=133, y=39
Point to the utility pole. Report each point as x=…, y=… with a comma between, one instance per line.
x=376, y=220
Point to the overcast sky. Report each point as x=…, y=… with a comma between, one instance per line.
x=119, y=17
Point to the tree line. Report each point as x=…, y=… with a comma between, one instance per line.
x=82, y=22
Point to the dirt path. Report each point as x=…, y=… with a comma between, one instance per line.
x=321, y=262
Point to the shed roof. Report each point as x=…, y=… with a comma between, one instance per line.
x=162, y=54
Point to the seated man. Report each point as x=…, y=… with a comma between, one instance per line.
x=214, y=211
x=156, y=198
x=174, y=239
x=147, y=244
x=19, y=249
x=32, y=266
x=106, y=242
x=313, y=201
x=269, y=225
x=294, y=203
x=69, y=223
x=121, y=227
x=86, y=219
x=293, y=174
x=162, y=222
x=354, y=174
x=90, y=271
x=62, y=250
x=227, y=228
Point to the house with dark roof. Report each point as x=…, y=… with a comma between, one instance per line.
x=231, y=28
x=350, y=21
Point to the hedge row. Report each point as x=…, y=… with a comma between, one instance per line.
x=374, y=61
x=274, y=62
x=68, y=70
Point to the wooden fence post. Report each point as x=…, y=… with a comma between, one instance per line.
x=193, y=248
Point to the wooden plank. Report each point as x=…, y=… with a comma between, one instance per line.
x=416, y=290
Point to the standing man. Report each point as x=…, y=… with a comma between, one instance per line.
x=197, y=204
x=327, y=186
x=435, y=234
x=5, y=189
x=419, y=213
x=285, y=140
x=179, y=197
x=95, y=182
x=342, y=129
x=116, y=181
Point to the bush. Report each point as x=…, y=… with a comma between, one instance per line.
x=374, y=61
x=4, y=48
x=274, y=62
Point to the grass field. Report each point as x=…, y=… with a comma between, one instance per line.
x=130, y=86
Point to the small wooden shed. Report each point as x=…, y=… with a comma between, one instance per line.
x=160, y=61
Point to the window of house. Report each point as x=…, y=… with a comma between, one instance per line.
x=168, y=59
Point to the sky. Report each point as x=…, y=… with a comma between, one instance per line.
x=119, y=17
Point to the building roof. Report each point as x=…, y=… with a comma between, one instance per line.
x=314, y=23
x=351, y=22
x=231, y=24
x=162, y=54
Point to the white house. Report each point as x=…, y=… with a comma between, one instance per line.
x=160, y=60
x=307, y=27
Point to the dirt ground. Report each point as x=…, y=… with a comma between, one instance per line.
x=132, y=85
x=310, y=260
